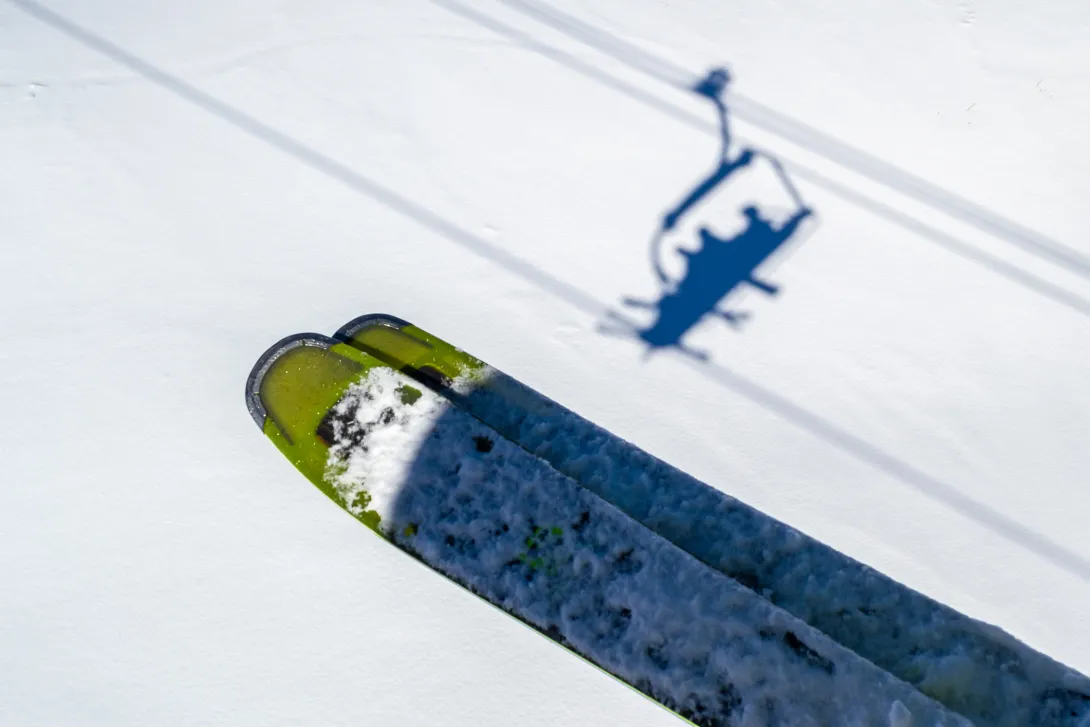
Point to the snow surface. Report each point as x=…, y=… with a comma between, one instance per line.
x=183, y=185
x=506, y=525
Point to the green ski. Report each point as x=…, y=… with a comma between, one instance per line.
x=386, y=420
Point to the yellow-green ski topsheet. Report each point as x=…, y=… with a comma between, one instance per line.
x=297, y=391
x=471, y=504
x=414, y=347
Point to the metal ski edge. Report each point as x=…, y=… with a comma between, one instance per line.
x=345, y=333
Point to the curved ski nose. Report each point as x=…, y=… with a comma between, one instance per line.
x=386, y=338
x=294, y=384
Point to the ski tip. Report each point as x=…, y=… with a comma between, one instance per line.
x=346, y=332
x=264, y=363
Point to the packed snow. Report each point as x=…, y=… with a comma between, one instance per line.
x=183, y=184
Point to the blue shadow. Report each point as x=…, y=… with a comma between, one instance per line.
x=718, y=265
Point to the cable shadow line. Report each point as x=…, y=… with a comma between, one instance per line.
x=964, y=250
x=315, y=159
x=1007, y=270
x=787, y=411
x=812, y=138
x=929, y=486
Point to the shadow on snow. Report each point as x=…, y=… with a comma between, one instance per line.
x=718, y=265
x=768, y=399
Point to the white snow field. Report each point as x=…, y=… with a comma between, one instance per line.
x=182, y=184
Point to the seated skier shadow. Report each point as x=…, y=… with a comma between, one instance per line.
x=720, y=264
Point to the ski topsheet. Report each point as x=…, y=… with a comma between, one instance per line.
x=473, y=505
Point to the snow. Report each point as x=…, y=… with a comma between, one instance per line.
x=181, y=189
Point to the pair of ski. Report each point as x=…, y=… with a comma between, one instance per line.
x=706, y=606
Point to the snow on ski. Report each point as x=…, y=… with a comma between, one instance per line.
x=481, y=510
x=971, y=667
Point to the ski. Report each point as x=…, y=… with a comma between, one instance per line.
x=427, y=447
x=971, y=667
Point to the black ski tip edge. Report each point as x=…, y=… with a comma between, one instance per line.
x=278, y=349
x=354, y=326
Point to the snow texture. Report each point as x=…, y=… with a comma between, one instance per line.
x=503, y=523
x=971, y=667
x=182, y=184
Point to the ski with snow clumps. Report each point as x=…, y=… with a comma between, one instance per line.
x=421, y=443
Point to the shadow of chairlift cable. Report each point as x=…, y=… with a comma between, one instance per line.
x=808, y=137
x=1075, y=260
x=801, y=418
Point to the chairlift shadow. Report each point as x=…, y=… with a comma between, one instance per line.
x=719, y=265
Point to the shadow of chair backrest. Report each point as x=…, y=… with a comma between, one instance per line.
x=712, y=272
